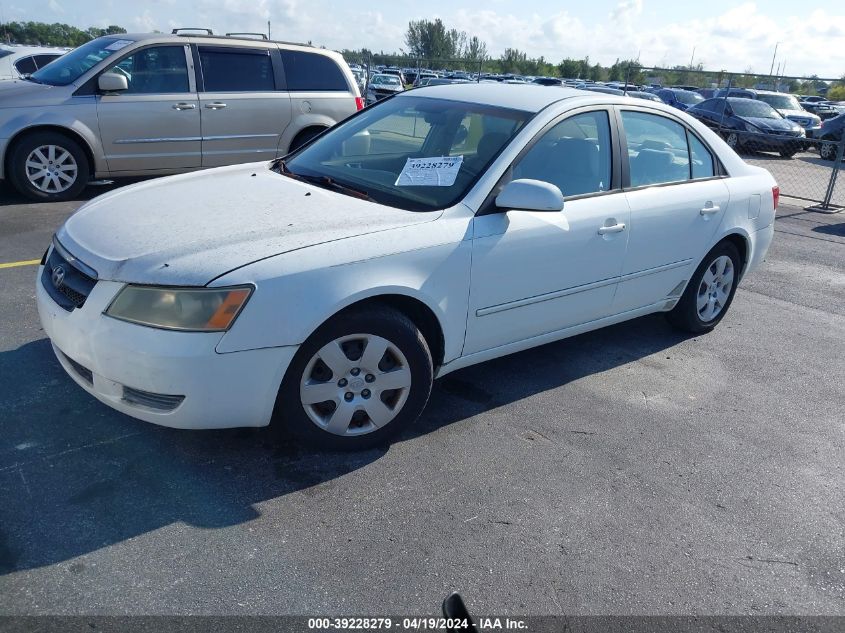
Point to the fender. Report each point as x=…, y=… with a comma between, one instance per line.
x=76, y=121
x=301, y=121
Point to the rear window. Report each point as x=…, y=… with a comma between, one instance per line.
x=236, y=70
x=311, y=71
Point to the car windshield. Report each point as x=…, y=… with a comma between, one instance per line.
x=71, y=66
x=781, y=102
x=688, y=98
x=389, y=80
x=753, y=108
x=412, y=153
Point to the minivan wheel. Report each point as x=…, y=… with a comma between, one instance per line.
x=304, y=136
x=48, y=167
x=361, y=378
x=709, y=292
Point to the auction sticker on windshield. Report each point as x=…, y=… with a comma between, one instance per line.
x=118, y=44
x=430, y=172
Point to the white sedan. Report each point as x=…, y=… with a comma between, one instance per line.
x=441, y=228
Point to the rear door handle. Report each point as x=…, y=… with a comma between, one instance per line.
x=215, y=106
x=710, y=210
x=184, y=106
x=616, y=228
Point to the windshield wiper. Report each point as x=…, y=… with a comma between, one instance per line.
x=323, y=181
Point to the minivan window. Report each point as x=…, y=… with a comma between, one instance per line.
x=25, y=65
x=44, y=59
x=71, y=66
x=236, y=70
x=312, y=72
x=156, y=70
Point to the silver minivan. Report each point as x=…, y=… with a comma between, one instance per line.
x=155, y=104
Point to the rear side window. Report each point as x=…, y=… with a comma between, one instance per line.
x=311, y=71
x=25, y=65
x=657, y=149
x=236, y=70
x=702, y=159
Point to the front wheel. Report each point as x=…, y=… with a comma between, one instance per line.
x=48, y=167
x=788, y=153
x=827, y=151
x=732, y=139
x=361, y=378
x=709, y=292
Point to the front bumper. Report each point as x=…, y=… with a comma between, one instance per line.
x=116, y=361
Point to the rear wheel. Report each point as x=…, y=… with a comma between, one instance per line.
x=360, y=379
x=710, y=291
x=304, y=136
x=48, y=166
x=827, y=150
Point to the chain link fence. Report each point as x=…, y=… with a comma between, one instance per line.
x=766, y=122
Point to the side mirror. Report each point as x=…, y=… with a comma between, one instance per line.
x=530, y=195
x=112, y=82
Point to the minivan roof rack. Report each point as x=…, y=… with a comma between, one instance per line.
x=261, y=36
x=191, y=28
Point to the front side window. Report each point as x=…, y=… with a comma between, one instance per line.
x=413, y=153
x=575, y=155
x=155, y=70
x=236, y=70
x=71, y=66
x=312, y=72
x=657, y=149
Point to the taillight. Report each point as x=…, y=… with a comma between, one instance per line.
x=359, y=103
x=776, y=196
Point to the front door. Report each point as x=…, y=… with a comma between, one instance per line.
x=243, y=111
x=155, y=124
x=539, y=272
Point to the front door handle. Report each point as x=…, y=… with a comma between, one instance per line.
x=184, y=106
x=710, y=210
x=215, y=106
x=616, y=228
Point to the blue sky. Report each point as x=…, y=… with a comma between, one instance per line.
x=726, y=35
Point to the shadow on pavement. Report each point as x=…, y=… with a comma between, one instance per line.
x=76, y=476
x=10, y=197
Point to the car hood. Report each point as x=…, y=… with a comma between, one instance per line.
x=770, y=124
x=192, y=228
x=16, y=93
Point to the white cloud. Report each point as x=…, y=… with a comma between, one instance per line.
x=55, y=7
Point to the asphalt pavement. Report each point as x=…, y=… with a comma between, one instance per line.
x=632, y=470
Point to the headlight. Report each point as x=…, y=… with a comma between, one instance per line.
x=752, y=128
x=188, y=309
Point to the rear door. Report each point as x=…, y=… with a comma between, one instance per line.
x=155, y=124
x=677, y=201
x=244, y=106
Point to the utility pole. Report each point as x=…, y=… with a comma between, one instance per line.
x=692, y=57
x=773, y=59
x=268, y=29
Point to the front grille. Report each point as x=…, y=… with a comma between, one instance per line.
x=82, y=371
x=157, y=401
x=66, y=284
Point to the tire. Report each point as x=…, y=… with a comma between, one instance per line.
x=787, y=153
x=69, y=161
x=305, y=136
x=827, y=151
x=732, y=139
x=688, y=315
x=343, y=342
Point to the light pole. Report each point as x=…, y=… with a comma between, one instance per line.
x=773, y=59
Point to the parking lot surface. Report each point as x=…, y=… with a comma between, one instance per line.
x=632, y=470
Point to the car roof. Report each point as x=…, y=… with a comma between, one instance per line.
x=218, y=39
x=527, y=97
x=34, y=50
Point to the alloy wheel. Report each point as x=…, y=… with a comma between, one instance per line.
x=51, y=169
x=355, y=384
x=715, y=288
